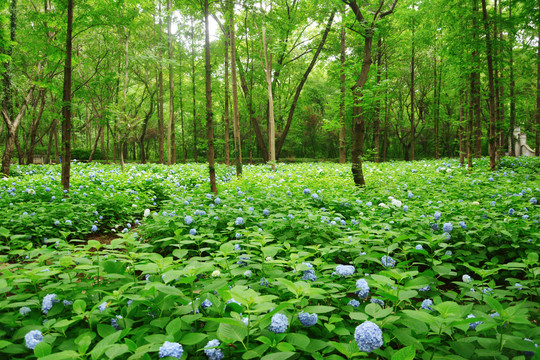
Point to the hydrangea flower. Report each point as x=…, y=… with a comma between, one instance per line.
x=368, y=336
x=206, y=304
x=307, y=319
x=279, y=323
x=172, y=349
x=363, y=288
x=264, y=282
x=447, y=227
x=419, y=247
x=307, y=191
x=211, y=350
x=188, y=220
x=437, y=215
x=266, y=212
x=388, y=262
x=114, y=322
x=377, y=301
x=193, y=232
x=466, y=278
x=217, y=201
x=94, y=228
x=24, y=310
x=434, y=226
x=426, y=304
x=473, y=325
x=511, y=212
x=405, y=208
x=48, y=302
x=448, y=253
x=533, y=201
x=354, y=303
x=102, y=306
x=32, y=338
x=67, y=302
x=410, y=195
x=425, y=288
x=239, y=221
x=463, y=225
x=344, y=270
x=517, y=285
x=241, y=262
x=248, y=273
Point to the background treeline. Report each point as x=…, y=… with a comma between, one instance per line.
x=443, y=76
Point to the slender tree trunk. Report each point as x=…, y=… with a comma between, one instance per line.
x=267, y=66
x=537, y=151
x=182, y=111
x=512, y=84
x=461, y=130
x=476, y=83
x=100, y=132
x=161, y=126
x=226, y=110
x=193, y=90
x=435, y=112
x=209, y=114
x=411, y=152
x=171, y=146
x=489, y=54
x=66, y=100
x=377, y=122
x=234, y=84
x=33, y=129
x=342, y=146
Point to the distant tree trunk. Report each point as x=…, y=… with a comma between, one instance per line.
x=226, y=112
x=377, y=122
x=171, y=146
x=411, y=152
x=267, y=67
x=144, y=127
x=476, y=82
x=489, y=54
x=66, y=101
x=182, y=112
x=209, y=114
x=537, y=151
x=100, y=132
x=461, y=131
x=513, y=84
x=33, y=129
x=385, y=135
x=436, y=111
x=234, y=84
x=161, y=129
x=193, y=90
x=342, y=146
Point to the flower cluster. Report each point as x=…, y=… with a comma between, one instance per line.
x=309, y=274
x=363, y=288
x=171, y=349
x=279, y=323
x=344, y=270
x=32, y=338
x=307, y=319
x=368, y=336
x=48, y=302
x=211, y=350
x=388, y=262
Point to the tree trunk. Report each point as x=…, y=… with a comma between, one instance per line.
x=267, y=67
x=171, y=147
x=161, y=126
x=537, y=151
x=66, y=101
x=234, y=84
x=33, y=129
x=436, y=111
x=182, y=111
x=476, y=83
x=100, y=132
x=489, y=54
x=226, y=112
x=209, y=114
x=193, y=90
x=512, y=84
x=342, y=146
x=461, y=131
x=412, y=96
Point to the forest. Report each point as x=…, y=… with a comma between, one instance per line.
x=254, y=82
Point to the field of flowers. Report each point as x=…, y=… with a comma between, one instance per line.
x=430, y=261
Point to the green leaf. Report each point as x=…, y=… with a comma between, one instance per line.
x=64, y=355
x=319, y=309
x=79, y=306
x=278, y=356
x=193, y=338
x=406, y=353
x=407, y=294
x=231, y=333
x=285, y=347
x=42, y=349
x=299, y=340
x=116, y=350
x=66, y=261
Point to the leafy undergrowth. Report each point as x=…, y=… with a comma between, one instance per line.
x=278, y=265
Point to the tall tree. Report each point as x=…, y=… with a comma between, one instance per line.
x=234, y=85
x=343, y=48
x=368, y=30
x=66, y=101
x=491, y=87
x=171, y=146
x=209, y=113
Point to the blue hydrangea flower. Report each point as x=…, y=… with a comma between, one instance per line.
x=69, y=223
x=239, y=221
x=279, y=323
x=307, y=319
x=511, y=212
x=419, y=247
x=192, y=232
x=172, y=349
x=495, y=314
x=211, y=350
x=206, y=304
x=24, y=310
x=377, y=301
x=237, y=247
x=525, y=217
x=114, y=322
x=533, y=201
x=466, y=278
x=435, y=226
x=368, y=336
x=307, y=191
x=32, y=338
x=388, y=262
x=473, y=325
x=426, y=305
x=410, y=195
x=425, y=288
x=345, y=270
x=447, y=227
x=102, y=306
x=354, y=303
x=48, y=302
x=188, y=220
x=94, y=228
x=437, y=216
x=248, y=273
x=363, y=288
x=487, y=290
x=463, y=225
x=448, y=253
x=243, y=261
x=67, y=302
x=217, y=201
x=518, y=286
x=264, y=282
x=405, y=208
x=266, y=212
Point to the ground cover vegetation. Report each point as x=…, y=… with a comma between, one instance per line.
x=431, y=261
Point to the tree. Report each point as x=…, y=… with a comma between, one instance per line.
x=209, y=113
x=66, y=101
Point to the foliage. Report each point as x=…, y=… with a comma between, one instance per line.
x=162, y=281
